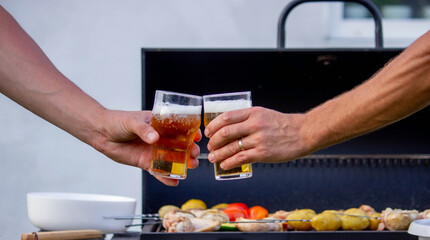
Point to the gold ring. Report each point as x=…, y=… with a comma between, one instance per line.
x=241, y=147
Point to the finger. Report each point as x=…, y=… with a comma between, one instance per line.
x=229, y=136
x=195, y=150
x=198, y=136
x=239, y=159
x=146, y=132
x=193, y=163
x=167, y=181
x=229, y=150
x=225, y=119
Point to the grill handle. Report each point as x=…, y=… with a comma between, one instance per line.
x=366, y=3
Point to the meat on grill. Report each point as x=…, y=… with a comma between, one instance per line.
x=258, y=227
x=397, y=219
x=183, y=221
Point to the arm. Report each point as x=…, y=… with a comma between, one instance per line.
x=30, y=79
x=401, y=88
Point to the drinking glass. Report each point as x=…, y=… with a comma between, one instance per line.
x=213, y=106
x=176, y=117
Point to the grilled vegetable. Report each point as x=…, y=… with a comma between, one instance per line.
x=303, y=214
x=220, y=206
x=354, y=222
x=240, y=206
x=326, y=222
x=258, y=212
x=234, y=213
x=194, y=203
x=228, y=227
x=165, y=209
x=374, y=221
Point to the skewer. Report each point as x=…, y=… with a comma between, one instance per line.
x=251, y=221
x=141, y=224
x=156, y=219
x=272, y=221
x=149, y=216
x=352, y=215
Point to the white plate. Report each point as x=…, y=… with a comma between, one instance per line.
x=420, y=228
x=53, y=211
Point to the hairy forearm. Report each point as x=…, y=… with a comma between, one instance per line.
x=401, y=88
x=30, y=79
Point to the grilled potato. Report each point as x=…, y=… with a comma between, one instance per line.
x=354, y=222
x=331, y=211
x=326, y=222
x=165, y=209
x=374, y=223
x=303, y=214
x=194, y=204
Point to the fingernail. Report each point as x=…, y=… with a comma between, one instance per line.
x=151, y=137
x=211, y=157
x=209, y=148
x=222, y=165
x=207, y=132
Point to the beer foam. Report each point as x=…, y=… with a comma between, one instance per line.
x=164, y=109
x=224, y=106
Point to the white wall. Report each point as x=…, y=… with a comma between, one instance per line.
x=97, y=45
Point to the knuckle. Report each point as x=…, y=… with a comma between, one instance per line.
x=226, y=116
x=145, y=128
x=241, y=158
x=260, y=138
x=257, y=110
x=256, y=126
x=225, y=131
x=232, y=148
x=264, y=152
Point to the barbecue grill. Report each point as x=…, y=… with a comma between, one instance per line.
x=386, y=168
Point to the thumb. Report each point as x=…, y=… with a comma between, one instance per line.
x=147, y=133
x=143, y=129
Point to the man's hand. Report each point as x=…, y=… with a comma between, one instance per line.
x=127, y=138
x=267, y=136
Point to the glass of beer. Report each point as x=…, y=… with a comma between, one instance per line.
x=213, y=106
x=176, y=117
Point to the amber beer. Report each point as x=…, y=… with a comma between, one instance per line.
x=216, y=104
x=176, y=118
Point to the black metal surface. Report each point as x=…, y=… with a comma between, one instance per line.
x=341, y=235
x=369, y=5
x=316, y=182
x=126, y=236
x=293, y=81
x=338, y=235
x=287, y=81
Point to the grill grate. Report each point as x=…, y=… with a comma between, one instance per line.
x=290, y=235
x=318, y=181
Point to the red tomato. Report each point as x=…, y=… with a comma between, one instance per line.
x=247, y=214
x=240, y=206
x=258, y=212
x=233, y=213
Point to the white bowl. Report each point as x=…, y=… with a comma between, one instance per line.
x=420, y=228
x=76, y=211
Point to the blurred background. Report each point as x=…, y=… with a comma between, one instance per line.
x=97, y=45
